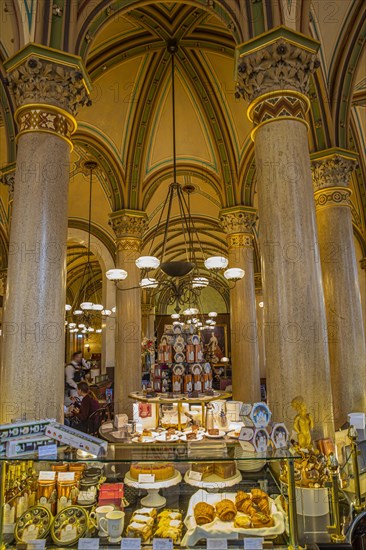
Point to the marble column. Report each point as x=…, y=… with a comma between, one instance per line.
x=238, y=223
x=148, y=320
x=273, y=76
x=362, y=277
x=260, y=322
x=48, y=87
x=331, y=171
x=129, y=227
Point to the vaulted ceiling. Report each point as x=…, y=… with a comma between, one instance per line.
x=128, y=129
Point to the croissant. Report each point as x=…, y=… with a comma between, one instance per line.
x=262, y=520
x=226, y=510
x=257, y=494
x=241, y=497
x=247, y=508
x=204, y=513
x=263, y=505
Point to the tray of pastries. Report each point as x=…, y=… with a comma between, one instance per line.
x=146, y=523
x=230, y=515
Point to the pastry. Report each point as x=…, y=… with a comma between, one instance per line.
x=151, y=512
x=170, y=515
x=161, y=471
x=204, y=468
x=147, y=433
x=168, y=533
x=263, y=505
x=257, y=494
x=261, y=520
x=191, y=436
x=225, y=469
x=247, y=507
x=213, y=431
x=139, y=530
x=226, y=510
x=242, y=522
x=139, y=518
x=204, y=513
x=240, y=498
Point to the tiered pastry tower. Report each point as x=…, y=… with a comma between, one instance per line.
x=181, y=367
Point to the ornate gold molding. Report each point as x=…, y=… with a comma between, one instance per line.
x=239, y=240
x=129, y=243
x=47, y=119
x=279, y=60
x=333, y=196
x=130, y=224
x=238, y=219
x=332, y=170
x=35, y=79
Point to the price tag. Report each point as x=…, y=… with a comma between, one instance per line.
x=147, y=478
x=48, y=451
x=47, y=476
x=130, y=544
x=67, y=476
x=196, y=476
x=162, y=544
x=39, y=544
x=216, y=544
x=251, y=543
x=88, y=544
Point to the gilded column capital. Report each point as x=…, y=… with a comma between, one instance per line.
x=238, y=223
x=129, y=227
x=332, y=168
x=273, y=75
x=333, y=196
x=48, y=86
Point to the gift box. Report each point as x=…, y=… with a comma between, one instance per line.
x=75, y=438
x=111, y=493
x=190, y=355
x=19, y=429
x=26, y=445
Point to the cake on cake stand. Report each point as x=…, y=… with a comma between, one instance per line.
x=213, y=481
x=153, y=499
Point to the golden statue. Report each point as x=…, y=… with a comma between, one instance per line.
x=303, y=423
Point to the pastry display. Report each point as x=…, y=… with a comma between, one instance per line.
x=226, y=510
x=170, y=526
x=204, y=513
x=161, y=471
x=311, y=470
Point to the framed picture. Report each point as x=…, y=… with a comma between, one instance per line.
x=214, y=343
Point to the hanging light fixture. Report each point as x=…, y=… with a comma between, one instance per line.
x=88, y=312
x=185, y=279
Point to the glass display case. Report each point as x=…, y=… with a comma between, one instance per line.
x=186, y=491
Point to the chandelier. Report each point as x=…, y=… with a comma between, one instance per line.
x=186, y=278
x=84, y=313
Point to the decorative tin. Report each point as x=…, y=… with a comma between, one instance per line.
x=34, y=524
x=69, y=526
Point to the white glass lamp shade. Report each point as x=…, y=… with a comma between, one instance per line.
x=234, y=274
x=147, y=262
x=68, y=307
x=199, y=324
x=72, y=325
x=212, y=314
x=98, y=307
x=81, y=325
x=199, y=282
x=90, y=329
x=191, y=311
x=175, y=316
x=86, y=305
x=114, y=309
x=225, y=360
x=116, y=274
x=216, y=262
x=148, y=283
x=261, y=304
x=213, y=323
x=106, y=312
x=99, y=330
x=78, y=312
x=66, y=323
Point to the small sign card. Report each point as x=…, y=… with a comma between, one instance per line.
x=67, y=476
x=88, y=544
x=130, y=544
x=216, y=544
x=196, y=476
x=251, y=543
x=162, y=544
x=147, y=478
x=47, y=476
x=48, y=451
x=39, y=544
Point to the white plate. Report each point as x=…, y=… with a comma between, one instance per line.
x=233, y=435
x=220, y=434
x=162, y=437
x=144, y=440
x=198, y=438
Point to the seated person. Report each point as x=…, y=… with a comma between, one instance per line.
x=80, y=412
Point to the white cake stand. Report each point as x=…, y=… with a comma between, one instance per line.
x=214, y=481
x=153, y=499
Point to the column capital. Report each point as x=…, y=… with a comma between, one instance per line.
x=238, y=223
x=276, y=61
x=48, y=86
x=129, y=227
x=332, y=167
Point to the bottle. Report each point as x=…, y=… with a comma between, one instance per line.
x=209, y=421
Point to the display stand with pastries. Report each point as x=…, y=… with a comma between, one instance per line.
x=167, y=477
x=216, y=515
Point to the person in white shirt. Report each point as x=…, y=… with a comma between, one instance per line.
x=73, y=374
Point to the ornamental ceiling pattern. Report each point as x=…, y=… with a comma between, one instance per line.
x=128, y=127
